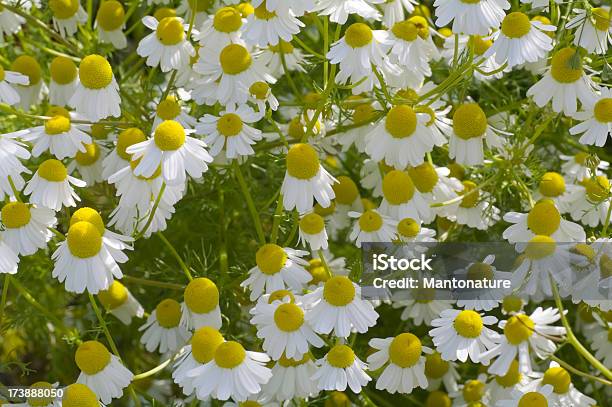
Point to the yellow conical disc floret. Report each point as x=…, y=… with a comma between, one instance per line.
x=200, y=5
x=79, y=395
x=540, y=247
x=340, y=356
x=259, y=90
x=201, y=295
x=516, y=25
x=92, y=357
x=111, y=15
x=63, y=9
x=168, y=313
x=115, y=296
x=338, y=399
x=95, y=72
x=473, y=390
x=169, y=135
x=90, y=156
x=480, y=271
x=84, y=240
x=601, y=18
x=40, y=400
x=597, y=188
x=566, y=65
x=512, y=377
x=2, y=73
x=435, y=366
x=229, y=125
x=533, y=399
x=235, y=59
x=345, y=190
x=229, y=355
x=318, y=272
x=405, y=350
x=544, y=218
x=28, y=66
x=603, y=110
x=424, y=177
x=518, y=329
x=168, y=108
x=57, y=125
x=164, y=12
x=288, y=317
x=227, y=20
x=438, y=399
x=262, y=13
x=363, y=113
x=270, y=258
x=63, y=70
x=52, y=170
x=397, y=187
x=370, y=221
x=204, y=343
x=358, y=35
x=302, y=161
x=281, y=295
x=408, y=227
x=290, y=362
x=552, y=185
x=312, y=223
x=88, y=215
x=127, y=138
x=282, y=46
x=401, y=121
x=170, y=31
x=16, y=215
x=512, y=303
x=469, y=121
x=558, y=378
x=481, y=45
x=468, y=324
x=405, y=30
x=339, y=291
x=99, y=131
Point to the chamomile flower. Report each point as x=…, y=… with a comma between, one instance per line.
x=439, y=371
x=8, y=94
x=67, y=14
x=120, y=302
x=420, y=306
x=11, y=152
x=30, y=92
x=64, y=78
x=298, y=7
x=261, y=95
x=564, y=83
x=401, y=199
x=563, y=393
x=481, y=44
x=591, y=279
x=51, y=186
x=438, y=398
x=523, y=335
x=470, y=16
x=163, y=330
x=26, y=227
x=232, y=372
x=10, y=23
x=9, y=260
x=167, y=46
x=372, y=226
x=474, y=210
x=362, y=115
x=406, y=365
x=97, y=93
x=524, y=397
x=201, y=305
x=337, y=307
x=578, y=167
x=339, y=10
x=482, y=300
x=200, y=7
x=394, y=11
x=435, y=186
x=77, y=395
x=520, y=40
x=118, y=158
x=589, y=204
x=277, y=268
x=230, y=131
x=271, y=58
x=472, y=392
x=89, y=163
x=593, y=29
x=602, y=345
x=462, y=334
x=291, y=378
x=265, y=27
x=502, y=386
x=312, y=231
x=596, y=117
x=341, y=367
x=101, y=371
x=110, y=22
x=306, y=180
x=221, y=29
x=171, y=109
x=177, y=153
x=553, y=186
x=413, y=48
x=41, y=401
x=347, y=199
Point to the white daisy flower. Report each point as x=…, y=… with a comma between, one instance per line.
x=402, y=200
x=602, y=345
x=596, y=118
x=163, y=330
x=371, y=226
x=362, y=116
x=337, y=307
x=201, y=305
x=89, y=163
x=482, y=300
x=8, y=94
x=11, y=151
x=439, y=371
x=502, y=386
x=265, y=27
x=43, y=388
x=221, y=29
x=593, y=29
x=474, y=210
x=578, y=167
x=26, y=227
x=277, y=268
x=51, y=186
x=64, y=79
x=110, y=22
x=271, y=58
x=339, y=10
x=120, y=302
x=118, y=158
x=129, y=219
x=421, y=306
x=101, y=371
x=553, y=186
x=30, y=93
x=298, y=7
x=171, y=109
x=563, y=391
x=394, y=11
x=79, y=394
x=97, y=94
x=10, y=23
x=589, y=204
x=435, y=186
x=520, y=40
x=312, y=231
x=67, y=14
x=9, y=260
x=564, y=83
x=291, y=379
x=406, y=365
x=233, y=372
x=470, y=16
x=167, y=46
x=462, y=334
x=524, y=397
x=177, y=153
x=260, y=94
x=341, y=367
x=347, y=199
x=200, y=7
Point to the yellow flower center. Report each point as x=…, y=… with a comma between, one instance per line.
x=169, y=135
x=424, y=177
x=302, y=161
x=456, y=171
x=200, y=5
x=90, y=156
x=63, y=9
x=512, y=377
x=52, y=170
x=201, y=295
x=168, y=313
x=282, y=46
x=405, y=30
x=312, y=224
x=57, y=125
x=325, y=211
x=421, y=24
x=40, y=401
x=598, y=188
x=605, y=266
x=603, y=110
x=88, y=215
x=164, y=12
x=229, y=355
x=227, y=20
x=405, y=350
x=518, y=329
x=63, y=70
x=363, y=113
x=516, y=25
x=544, y=218
x=471, y=200
x=581, y=158
x=468, y=324
x=110, y=15
x=262, y=12
x=397, y=187
x=346, y=190
x=204, y=344
x=341, y=356
x=127, y=138
x=317, y=271
x=115, y=296
x=338, y=399
x=284, y=361
x=288, y=317
x=2, y=74
x=169, y=108
x=339, y=291
x=435, y=366
x=229, y=125
x=401, y=121
x=245, y=9
x=296, y=128
x=469, y=121
x=438, y=398
x=425, y=295
x=370, y=221
x=552, y=185
x=512, y=303
x=558, y=378
x=480, y=271
x=481, y=45
x=249, y=403
x=358, y=35
x=79, y=395
x=95, y=72
x=408, y=227
x=28, y=66
x=473, y=390
x=533, y=399
x=99, y=131
x=92, y=357
x=235, y=59
x=566, y=66
x=170, y=31
x=539, y=247
x=601, y=18
x=409, y=95
x=84, y=240
x=16, y=215
x=260, y=90
x=280, y=295
x=270, y=258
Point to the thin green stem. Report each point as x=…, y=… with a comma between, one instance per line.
x=604, y=231
x=43, y=310
x=14, y=188
x=155, y=370
x=154, y=283
x=5, y=287
x=324, y=262
x=176, y=256
x=152, y=214
x=572, y=369
x=250, y=204
x=278, y=214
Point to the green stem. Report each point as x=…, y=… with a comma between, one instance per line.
x=153, y=371
x=287, y=73
x=176, y=256
x=604, y=232
x=5, y=287
x=152, y=214
x=324, y=262
x=223, y=263
x=154, y=283
x=14, y=188
x=249, y=202
x=29, y=298
x=460, y=197
x=278, y=214
x=572, y=369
